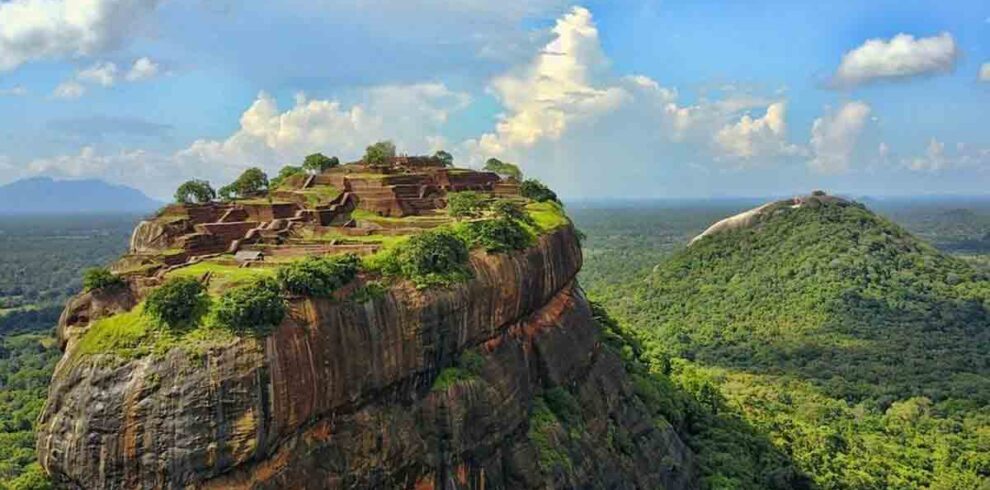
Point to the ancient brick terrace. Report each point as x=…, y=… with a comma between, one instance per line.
x=350, y=208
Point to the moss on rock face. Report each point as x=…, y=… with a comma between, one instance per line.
x=449, y=377
x=133, y=334
x=546, y=433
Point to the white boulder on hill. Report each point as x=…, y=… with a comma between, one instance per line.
x=749, y=218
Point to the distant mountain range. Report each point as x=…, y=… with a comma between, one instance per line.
x=43, y=195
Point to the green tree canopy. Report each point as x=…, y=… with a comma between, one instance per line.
x=466, y=204
x=283, y=174
x=445, y=158
x=503, y=168
x=318, y=163
x=178, y=303
x=380, y=154
x=255, y=308
x=253, y=181
x=537, y=191
x=438, y=251
x=497, y=235
x=505, y=208
x=318, y=276
x=100, y=278
x=198, y=191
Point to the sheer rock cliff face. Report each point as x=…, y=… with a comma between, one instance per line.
x=345, y=395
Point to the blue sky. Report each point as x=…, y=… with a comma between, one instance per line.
x=624, y=98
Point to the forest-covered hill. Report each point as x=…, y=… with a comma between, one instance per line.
x=859, y=350
x=43, y=195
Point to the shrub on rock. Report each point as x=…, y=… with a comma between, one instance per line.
x=178, y=303
x=318, y=276
x=437, y=257
x=466, y=204
x=504, y=208
x=100, y=278
x=255, y=308
x=496, y=235
x=537, y=191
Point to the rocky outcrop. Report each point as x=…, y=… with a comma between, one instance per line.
x=443, y=388
x=93, y=305
x=747, y=219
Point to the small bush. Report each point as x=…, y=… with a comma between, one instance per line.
x=100, y=278
x=318, y=276
x=178, y=303
x=504, y=208
x=563, y=404
x=449, y=377
x=385, y=262
x=496, y=235
x=368, y=292
x=466, y=204
x=255, y=308
x=537, y=191
x=472, y=362
x=435, y=257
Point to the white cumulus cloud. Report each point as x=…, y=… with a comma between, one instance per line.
x=142, y=69
x=411, y=115
x=47, y=29
x=985, y=72
x=751, y=138
x=69, y=89
x=105, y=74
x=899, y=57
x=556, y=88
x=15, y=91
x=933, y=160
x=834, y=137
x=269, y=137
x=568, y=117
x=937, y=158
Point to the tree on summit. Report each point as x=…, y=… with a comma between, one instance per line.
x=283, y=174
x=503, y=168
x=380, y=154
x=446, y=159
x=253, y=181
x=318, y=163
x=198, y=191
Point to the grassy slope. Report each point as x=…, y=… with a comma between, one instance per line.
x=861, y=351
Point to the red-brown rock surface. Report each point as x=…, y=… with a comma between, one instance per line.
x=344, y=394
